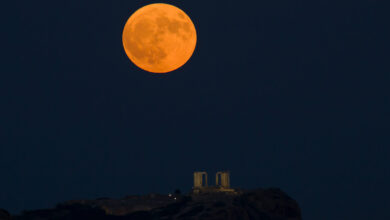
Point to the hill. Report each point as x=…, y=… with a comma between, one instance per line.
x=261, y=204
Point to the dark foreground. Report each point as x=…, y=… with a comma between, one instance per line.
x=261, y=204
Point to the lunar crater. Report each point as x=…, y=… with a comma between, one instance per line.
x=160, y=39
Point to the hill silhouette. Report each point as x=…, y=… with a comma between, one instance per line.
x=262, y=204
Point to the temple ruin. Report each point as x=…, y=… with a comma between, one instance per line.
x=222, y=183
x=200, y=179
x=222, y=179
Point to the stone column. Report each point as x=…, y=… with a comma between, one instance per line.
x=226, y=180
x=223, y=178
x=198, y=179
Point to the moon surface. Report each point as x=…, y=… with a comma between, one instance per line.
x=159, y=38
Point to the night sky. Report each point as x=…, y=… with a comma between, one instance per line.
x=287, y=93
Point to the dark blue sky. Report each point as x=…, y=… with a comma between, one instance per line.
x=291, y=94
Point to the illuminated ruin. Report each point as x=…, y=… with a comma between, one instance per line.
x=222, y=183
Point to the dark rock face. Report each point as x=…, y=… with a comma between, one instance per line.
x=4, y=215
x=269, y=204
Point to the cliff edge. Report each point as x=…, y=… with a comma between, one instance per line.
x=261, y=204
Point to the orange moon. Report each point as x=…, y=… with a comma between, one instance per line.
x=159, y=38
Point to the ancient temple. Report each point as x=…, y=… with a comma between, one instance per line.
x=222, y=179
x=222, y=183
x=200, y=179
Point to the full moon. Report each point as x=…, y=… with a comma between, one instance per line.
x=159, y=38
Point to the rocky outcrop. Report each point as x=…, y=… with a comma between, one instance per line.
x=271, y=204
x=261, y=204
x=4, y=215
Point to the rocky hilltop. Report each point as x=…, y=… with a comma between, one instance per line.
x=261, y=204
